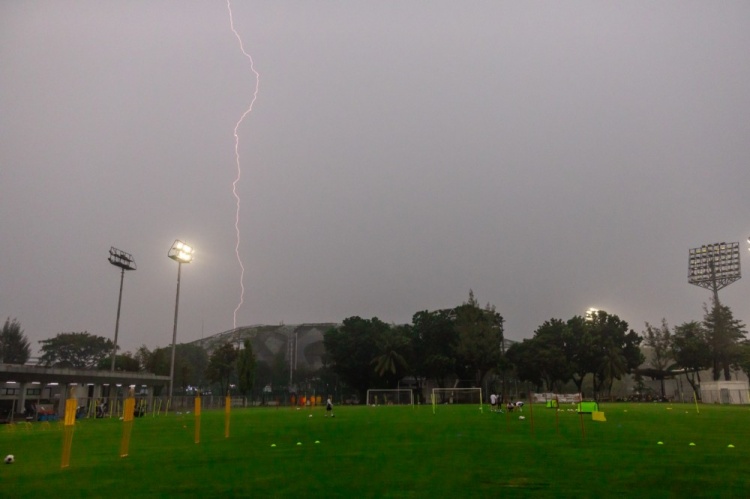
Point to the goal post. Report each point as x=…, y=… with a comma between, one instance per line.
x=395, y=396
x=467, y=396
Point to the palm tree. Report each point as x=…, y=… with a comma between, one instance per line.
x=391, y=345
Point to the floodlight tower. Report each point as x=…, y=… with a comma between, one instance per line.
x=714, y=266
x=180, y=253
x=124, y=261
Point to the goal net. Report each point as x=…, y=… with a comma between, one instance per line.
x=395, y=396
x=467, y=396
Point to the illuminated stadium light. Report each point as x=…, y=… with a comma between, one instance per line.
x=181, y=252
x=591, y=313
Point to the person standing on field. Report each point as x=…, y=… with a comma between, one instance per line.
x=493, y=402
x=329, y=407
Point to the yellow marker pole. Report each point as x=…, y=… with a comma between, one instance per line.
x=227, y=413
x=695, y=398
x=198, y=419
x=70, y=421
x=127, y=428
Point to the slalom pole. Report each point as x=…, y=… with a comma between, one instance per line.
x=69, y=427
x=197, y=415
x=507, y=415
x=695, y=398
x=127, y=422
x=531, y=409
x=227, y=413
x=583, y=430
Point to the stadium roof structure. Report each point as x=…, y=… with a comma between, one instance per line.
x=47, y=375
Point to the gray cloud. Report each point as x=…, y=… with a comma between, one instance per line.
x=551, y=157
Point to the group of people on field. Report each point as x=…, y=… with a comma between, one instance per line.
x=496, y=404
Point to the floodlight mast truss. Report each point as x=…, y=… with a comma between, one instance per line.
x=124, y=261
x=181, y=253
x=714, y=266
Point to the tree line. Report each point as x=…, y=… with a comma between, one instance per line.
x=461, y=346
x=464, y=346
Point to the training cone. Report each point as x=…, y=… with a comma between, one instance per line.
x=659, y=443
x=299, y=443
x=692, y=444
x=273, y=445
x=730, y=446
x=318, y=441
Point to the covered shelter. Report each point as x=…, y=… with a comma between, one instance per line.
x=23, y=387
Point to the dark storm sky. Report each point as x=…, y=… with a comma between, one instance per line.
x=551, y=156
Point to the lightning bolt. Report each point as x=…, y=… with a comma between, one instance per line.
x=237, y=160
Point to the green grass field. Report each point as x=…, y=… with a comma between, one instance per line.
x=392, y=452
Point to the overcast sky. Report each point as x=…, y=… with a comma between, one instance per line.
x=551, y=156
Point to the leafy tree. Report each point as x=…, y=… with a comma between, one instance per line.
x=523, y=357
x=190, y=362
x=350, y=349
x=75, y=350
x=659, y=339
x=613, y=366
x=480, y=336
x=279, y=369
x=246, y=368
x=434, y=341
x=125, y=362
x=221, y=366
x=616, y=347
x=142, y=355
x=552, y=363
x=14, y=346
x=743, y=358
x=691, y=351
x=724, y=334
x=580, y=353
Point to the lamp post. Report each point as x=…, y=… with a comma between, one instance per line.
x=124, y=261
x=180, y=253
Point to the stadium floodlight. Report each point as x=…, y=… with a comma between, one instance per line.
x=714, y=266
x=124, y=261
x=591, y=314
x=180, y=253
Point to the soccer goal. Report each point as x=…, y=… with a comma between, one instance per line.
x=395, y=396
x=471, y=396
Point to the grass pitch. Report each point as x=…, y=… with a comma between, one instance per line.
x=392, y=452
